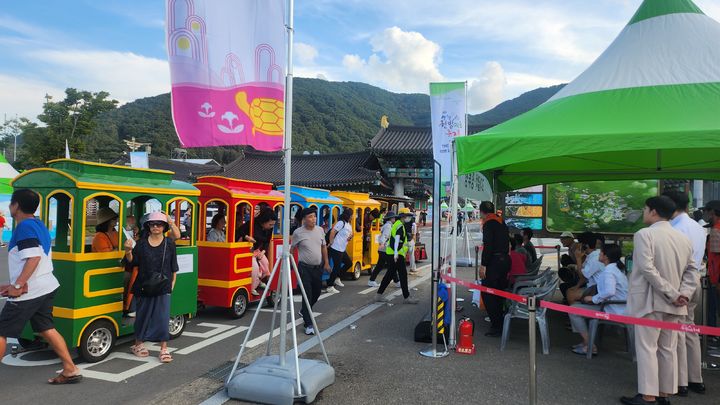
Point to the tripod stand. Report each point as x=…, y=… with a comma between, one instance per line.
x=277, y=378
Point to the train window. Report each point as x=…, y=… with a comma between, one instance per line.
x=59, y=222
x=324, y=217
x=215, y=212
x=294, y=223
x=243, y=215
x=358, y=220
x=181, y=212
x=260, y=207
x=279, y=214
x=101, y=221
x=335, y=215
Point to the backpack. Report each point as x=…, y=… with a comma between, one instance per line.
x=327, y=234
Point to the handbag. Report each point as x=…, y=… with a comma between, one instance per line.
x=156, y=283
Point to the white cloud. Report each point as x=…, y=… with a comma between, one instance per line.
x=401, y=61
x=125, y=75
x=305, y=54
x=24, y=97
x=488, y=90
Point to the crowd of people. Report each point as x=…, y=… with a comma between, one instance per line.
x=663, y=284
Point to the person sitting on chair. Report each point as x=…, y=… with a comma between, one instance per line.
x=612, y=285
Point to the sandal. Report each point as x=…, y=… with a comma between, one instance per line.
x=139, y=350
x=165, y=357
x=63, y=379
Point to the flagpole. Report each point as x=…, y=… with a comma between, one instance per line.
x=287, y=148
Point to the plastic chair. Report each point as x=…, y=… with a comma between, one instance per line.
x=536, y=281
x=518, y=310
x=629, y=331
x=534, y=267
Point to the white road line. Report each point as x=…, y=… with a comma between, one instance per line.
x=263, y=338
x=221, y=396
x=373, y=289
x=148, y=363
x=216, y=328
x=212, y=340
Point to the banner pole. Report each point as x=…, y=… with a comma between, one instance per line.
x=453, y=247
x=436, y=262
x=532, y=307
x=285, y=266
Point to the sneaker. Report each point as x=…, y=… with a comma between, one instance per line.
x=262, y=285
x=339, y=283
x=381, y=298
x=373, y=283
x=309, y=330
x=713, y=352
x=487, y=319
x=410, y=300
x=255, y=292
x=332, y=290
x=397, y=284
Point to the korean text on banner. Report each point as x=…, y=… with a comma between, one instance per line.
x=227, y=65
x=447, y=113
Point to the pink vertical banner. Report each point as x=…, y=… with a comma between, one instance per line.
x=227, y=66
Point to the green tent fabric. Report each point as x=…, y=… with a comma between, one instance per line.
x=647, y=108
x=7, y=173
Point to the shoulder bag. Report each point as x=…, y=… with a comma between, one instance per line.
x=154, y=285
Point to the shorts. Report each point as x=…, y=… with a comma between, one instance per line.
x=15, y=314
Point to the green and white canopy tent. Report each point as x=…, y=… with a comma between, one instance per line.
x=647, y=108
x=7, y=173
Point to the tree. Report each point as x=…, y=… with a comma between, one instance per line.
x=71, y=120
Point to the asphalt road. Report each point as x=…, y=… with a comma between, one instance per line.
x=209, y=342
x=372, y=350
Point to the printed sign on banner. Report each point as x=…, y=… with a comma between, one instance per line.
x=475, y=187
x=447, y=113
x=227, y=65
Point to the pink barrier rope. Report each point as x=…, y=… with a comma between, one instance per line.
x=680, y=327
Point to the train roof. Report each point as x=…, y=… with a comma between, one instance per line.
x=73, y=173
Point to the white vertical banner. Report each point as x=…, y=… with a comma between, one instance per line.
x=139, y=160
x=227, y=66
x=447, y=112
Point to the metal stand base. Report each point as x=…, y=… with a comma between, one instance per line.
x=266, y=381
x=430, y=352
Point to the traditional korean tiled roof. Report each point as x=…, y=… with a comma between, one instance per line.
x=184, y=171
x=405, y=140
x=328, y=171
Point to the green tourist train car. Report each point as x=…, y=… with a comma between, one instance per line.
x=92, y=307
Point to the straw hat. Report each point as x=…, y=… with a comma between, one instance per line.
x=105, y=214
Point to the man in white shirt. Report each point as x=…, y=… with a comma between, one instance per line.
x=340, y=235
x=689, y=352
x=32, y=284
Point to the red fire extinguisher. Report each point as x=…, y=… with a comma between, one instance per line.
x=465, y=344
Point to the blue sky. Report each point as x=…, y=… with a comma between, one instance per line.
x=502, y=48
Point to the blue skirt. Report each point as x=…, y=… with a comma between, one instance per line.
x=152, y=318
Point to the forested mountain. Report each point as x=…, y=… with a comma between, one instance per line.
x=327, y=117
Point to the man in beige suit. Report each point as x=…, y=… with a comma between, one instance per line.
x=663, y=277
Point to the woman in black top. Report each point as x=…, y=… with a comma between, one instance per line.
x=261, y=237
x=154, y=254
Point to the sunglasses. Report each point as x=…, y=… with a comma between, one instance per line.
x=156, y=224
